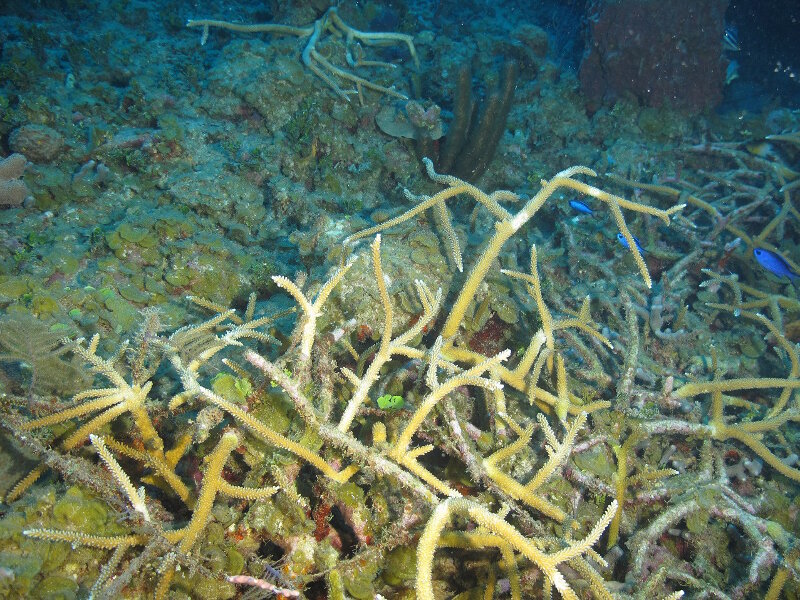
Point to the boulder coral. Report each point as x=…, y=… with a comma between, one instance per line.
x=13, y=190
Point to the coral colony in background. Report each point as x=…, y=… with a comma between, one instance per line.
x=388, y=301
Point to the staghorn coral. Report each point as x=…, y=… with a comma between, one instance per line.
x=316, y=536
x=464, y=452
x=712, y=499
x=506, y=537
x=185, y=538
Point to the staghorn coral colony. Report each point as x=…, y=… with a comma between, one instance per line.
x=254, y=343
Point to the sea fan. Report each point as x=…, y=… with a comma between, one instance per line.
x=33, y=353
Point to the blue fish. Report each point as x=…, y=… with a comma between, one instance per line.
x=774, y=263
x=732, y=72
x=730, y=39
x=580, y=207
x=625, y=245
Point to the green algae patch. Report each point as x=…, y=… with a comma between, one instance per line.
x=56, y=587
x=351, y=495
x=235, y=562
x=401, y=566
x=780, y=508
x=217, y=280
x=233, y=389
x=11, y=527
x=505, y=309
x=359, y=582
x=13, y=288
x=177, y=278
x=155, y=286
x=123, y=313
x=273, y=410
x=44, y=306
x=23, y=569
x=279, y=520
x=485, y=441
x=133, y=243
x=697, y=521
x=63, y=262
x=114, y=240
x=174, y=228
x=325, y=556
x=597, y=461
x=77, y=511
x=133, y=293
x=198, y=586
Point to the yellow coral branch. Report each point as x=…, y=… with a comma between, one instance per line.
x=275, y=438
x=547, y=563
x=729, y=385
x=136, y=497
x=388, y=346
x=311, y=310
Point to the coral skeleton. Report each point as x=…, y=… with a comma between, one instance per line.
x=329, y=22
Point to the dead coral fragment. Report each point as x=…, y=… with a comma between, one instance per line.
x=331, y=23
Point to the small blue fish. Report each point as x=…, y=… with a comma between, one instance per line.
x=625, y=245
x=580, y=207
x=730, y=39
x=774, y=263
x=732, y=72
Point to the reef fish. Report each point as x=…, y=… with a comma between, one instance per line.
x=732, y=72
x=625, y=245
x=774, y=263
x=580, y=207
x=389, y=402
x=730, y=39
